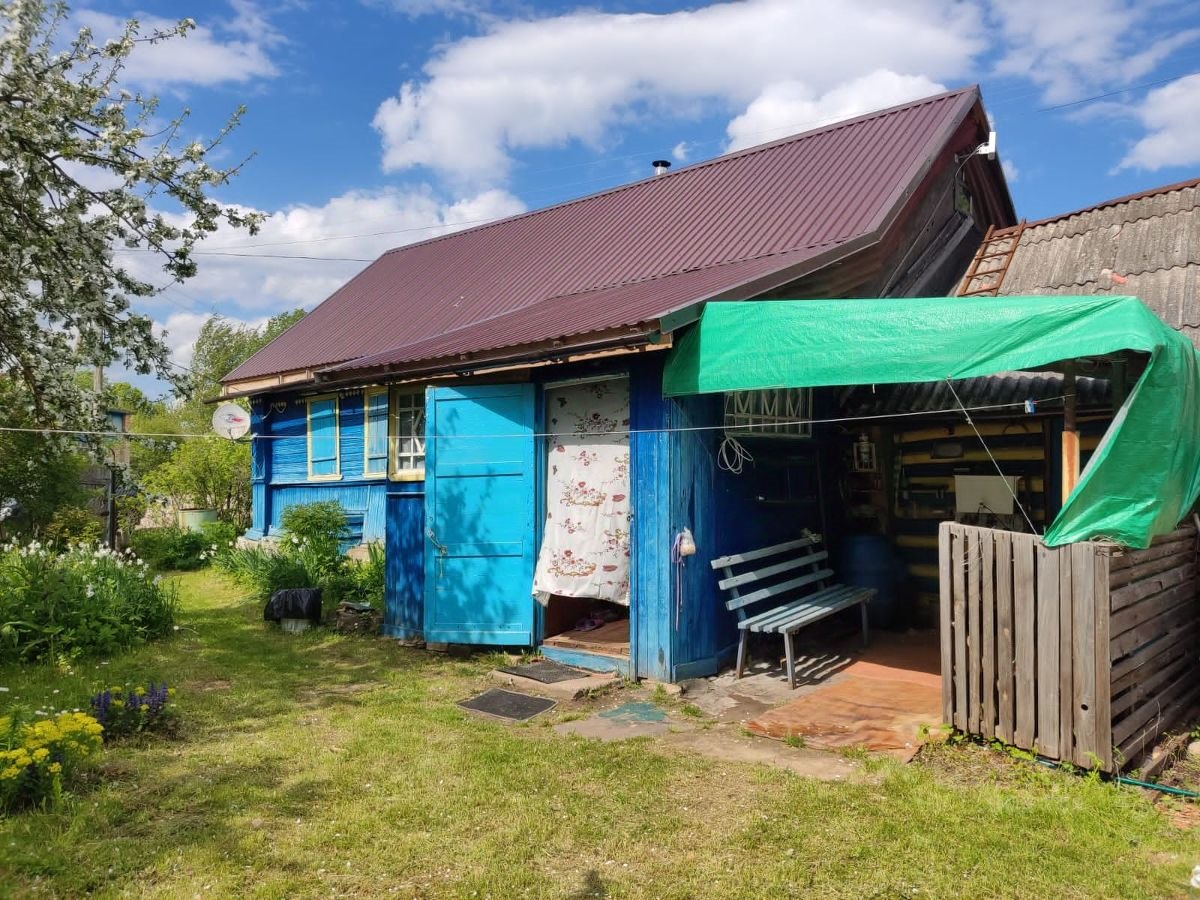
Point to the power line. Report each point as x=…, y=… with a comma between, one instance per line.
x=1132, y=87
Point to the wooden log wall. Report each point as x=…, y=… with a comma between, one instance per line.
x=1023, y=632
x=1154, y=633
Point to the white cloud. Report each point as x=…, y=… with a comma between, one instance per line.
x=786, y=107
x=1011, y=172
x=249, y=288
x=1073, y=48
x=181, y=329
x=571, y=78
x=680, y=151
x=216, y=52
x=1171, y=116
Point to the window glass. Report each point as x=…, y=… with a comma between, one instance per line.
x=323, y=437
x=375, y=429
x=408, y=434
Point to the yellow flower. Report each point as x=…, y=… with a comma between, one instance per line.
x=55, y=768
x=40, y=753
x=141, y=692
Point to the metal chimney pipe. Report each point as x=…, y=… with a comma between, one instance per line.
x=661, y=165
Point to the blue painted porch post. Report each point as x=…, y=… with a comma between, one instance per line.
x=651, y=537
x=260, y=472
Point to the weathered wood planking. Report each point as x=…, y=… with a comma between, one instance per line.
x=1153, y=627
x=1032, y=667
x=946, y=621
x=1005, y=658
x=987, y=572
x=1082, y=730
x=1025, y=613
x=959, y=606
x=1048, y=675
x=1103, y=666
x=974, y=666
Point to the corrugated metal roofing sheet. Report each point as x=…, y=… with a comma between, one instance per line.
x=629, y=254
x=1145, y=245
x=1011, y=388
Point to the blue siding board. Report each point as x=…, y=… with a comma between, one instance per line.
x=650, y=601
x=405, y=604
x=702, y=499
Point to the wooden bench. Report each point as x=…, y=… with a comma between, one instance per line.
x=793, y=578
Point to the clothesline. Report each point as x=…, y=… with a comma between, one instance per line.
x=548, y=434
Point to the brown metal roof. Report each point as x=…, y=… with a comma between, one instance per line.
x=631, y=254
x=1145, y=245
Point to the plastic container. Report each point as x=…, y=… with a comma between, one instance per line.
x=868, y=560
x=193, y=519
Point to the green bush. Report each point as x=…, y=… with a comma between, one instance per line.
x=37, y=757
x=74, y=525
x=218, y=535
x=264, y=571
x=76, y=602
x=313, y=533
x=170, y=549
x=309, y=555
x=370, y=578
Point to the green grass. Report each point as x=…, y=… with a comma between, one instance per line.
x=319, y=764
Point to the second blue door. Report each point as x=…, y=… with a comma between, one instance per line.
x=479, y=535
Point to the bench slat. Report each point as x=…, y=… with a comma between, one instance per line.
x=834, y=599
x=759, y=574
x=752, y=555
x=813, y=614
x=776, y=589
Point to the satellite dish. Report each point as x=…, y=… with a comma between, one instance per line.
x=231, y=421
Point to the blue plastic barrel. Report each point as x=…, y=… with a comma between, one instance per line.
x=868, y=560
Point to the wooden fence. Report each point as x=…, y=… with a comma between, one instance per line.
x=1084, y=653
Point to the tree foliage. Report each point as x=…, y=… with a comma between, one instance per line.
x=88, y=178
x=222, y=346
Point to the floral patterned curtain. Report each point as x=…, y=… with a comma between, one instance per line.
x=585, y=547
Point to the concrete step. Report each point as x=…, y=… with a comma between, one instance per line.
x=572, y=689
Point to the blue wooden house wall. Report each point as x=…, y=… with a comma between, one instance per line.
x=392, y=512
x=679, y=625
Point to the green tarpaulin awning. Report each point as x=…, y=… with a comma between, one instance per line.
x=1141, y=481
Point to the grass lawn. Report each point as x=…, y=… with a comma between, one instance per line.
x=328, y=765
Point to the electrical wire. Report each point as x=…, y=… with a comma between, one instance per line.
x=987, y=449
x=732, y=455
x=550, y=434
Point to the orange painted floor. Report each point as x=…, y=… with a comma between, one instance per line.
x=880, y=701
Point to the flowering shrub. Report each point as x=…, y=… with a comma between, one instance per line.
x=36, y=758
x=124, y=710
x=80, y=601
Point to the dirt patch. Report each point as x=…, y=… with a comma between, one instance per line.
x=206, y=687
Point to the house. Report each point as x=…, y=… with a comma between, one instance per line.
x=490, y=403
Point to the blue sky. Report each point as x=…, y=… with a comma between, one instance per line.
x=377, y=122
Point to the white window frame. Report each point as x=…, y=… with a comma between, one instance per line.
x=404, y=466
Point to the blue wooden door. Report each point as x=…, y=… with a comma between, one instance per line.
x=479, y=534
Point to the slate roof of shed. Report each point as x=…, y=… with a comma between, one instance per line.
x=627, y=256
x=1151, y=240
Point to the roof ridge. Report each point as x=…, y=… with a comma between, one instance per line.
x=1115, y=201
x=697, y=166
